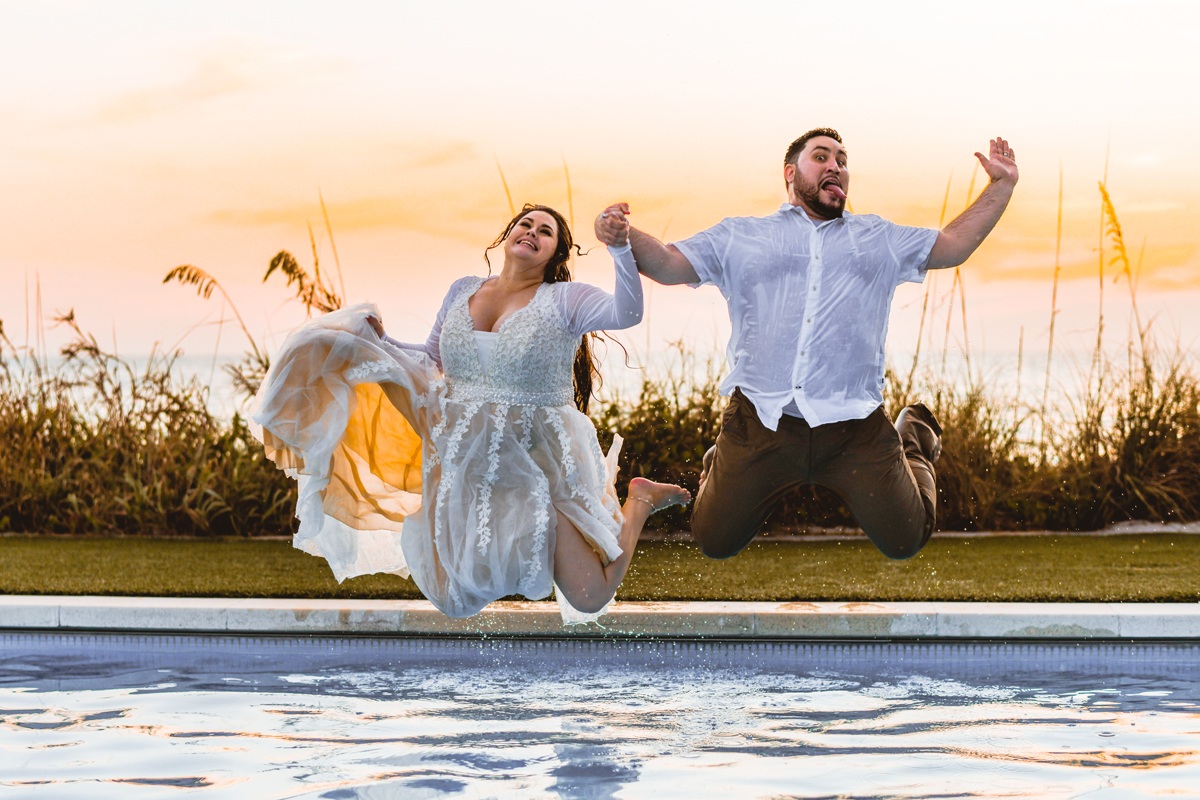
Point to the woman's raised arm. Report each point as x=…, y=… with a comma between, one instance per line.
x=589, y=308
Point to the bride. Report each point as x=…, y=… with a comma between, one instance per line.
x=467, y=461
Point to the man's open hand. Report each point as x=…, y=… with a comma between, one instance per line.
x=612, y=226
x=1000, y=164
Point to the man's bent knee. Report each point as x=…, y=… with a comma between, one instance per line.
x=720, y=540
x=900, y=542
x=902, y=551
x=719, y=551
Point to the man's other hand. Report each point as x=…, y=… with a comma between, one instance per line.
x=1000, y=163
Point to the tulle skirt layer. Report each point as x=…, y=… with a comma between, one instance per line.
x=398, y=475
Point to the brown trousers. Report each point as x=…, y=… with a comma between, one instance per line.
x=887, y=484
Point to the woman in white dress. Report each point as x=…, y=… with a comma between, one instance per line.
x=466, y=461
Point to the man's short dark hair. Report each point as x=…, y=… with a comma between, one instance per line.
x=795, y=147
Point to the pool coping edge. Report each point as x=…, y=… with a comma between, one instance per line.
x=725, y=620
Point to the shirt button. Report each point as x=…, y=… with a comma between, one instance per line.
x=808, y=320
x=801, y=352
x=797, y=386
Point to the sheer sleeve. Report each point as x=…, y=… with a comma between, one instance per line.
x=589, y=308
x=431, y=347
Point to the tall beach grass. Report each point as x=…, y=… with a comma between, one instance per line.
x=97, y=446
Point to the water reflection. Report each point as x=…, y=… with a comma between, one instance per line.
x=133, y=716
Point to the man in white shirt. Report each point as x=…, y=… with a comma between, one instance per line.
x=809, y=290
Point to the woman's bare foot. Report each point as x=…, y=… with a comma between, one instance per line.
x=658, y=495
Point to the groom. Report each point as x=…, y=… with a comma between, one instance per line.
x=809, y=290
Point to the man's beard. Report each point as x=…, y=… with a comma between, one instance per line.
x=811, y=195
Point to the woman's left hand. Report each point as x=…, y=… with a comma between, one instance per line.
x=612, y=226
x=376, y=326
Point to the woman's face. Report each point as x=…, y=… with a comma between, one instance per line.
x=533, y=239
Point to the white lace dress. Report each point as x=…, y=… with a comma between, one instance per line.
x=414, y=459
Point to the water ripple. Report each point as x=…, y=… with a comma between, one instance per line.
x=238, y=717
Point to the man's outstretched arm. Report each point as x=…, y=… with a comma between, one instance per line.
x=958, y=240
x=661, y=263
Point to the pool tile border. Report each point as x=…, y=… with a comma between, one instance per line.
x=825, y=620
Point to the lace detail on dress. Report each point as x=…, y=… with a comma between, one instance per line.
x=532, y=362
x=485, y=494
x=472, y=392
x=570, y=469
x=365, y=369
x=455, y=595
x=598, y=457
x=456, y=435
x=437, y=394
x=541, y=521
x=460, y=354
x=438, y=431
x=527, y=423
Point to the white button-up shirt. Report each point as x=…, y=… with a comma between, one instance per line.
x=809, y=305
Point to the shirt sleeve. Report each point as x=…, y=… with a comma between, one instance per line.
x=587, y=308
x=911, y=247
x=431, y=347
x=706, y=253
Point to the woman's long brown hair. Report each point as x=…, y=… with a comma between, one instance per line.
x=587, y=370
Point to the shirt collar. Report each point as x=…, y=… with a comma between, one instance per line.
x=800, y=212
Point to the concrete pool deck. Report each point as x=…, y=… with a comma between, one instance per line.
x=726, y=620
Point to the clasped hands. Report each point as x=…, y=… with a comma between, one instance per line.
x=612, y=225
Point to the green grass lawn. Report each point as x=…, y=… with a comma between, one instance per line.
x=1136, y=567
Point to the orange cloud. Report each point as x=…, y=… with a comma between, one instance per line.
x=235, y=65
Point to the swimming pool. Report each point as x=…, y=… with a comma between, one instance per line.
x=132, y=716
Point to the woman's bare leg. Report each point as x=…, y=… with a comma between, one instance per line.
x=582, y=577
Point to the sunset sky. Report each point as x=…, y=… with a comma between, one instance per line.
x=135, y=137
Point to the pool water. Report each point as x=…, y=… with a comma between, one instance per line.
x=100, y=716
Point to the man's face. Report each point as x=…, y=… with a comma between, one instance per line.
x=819, y=180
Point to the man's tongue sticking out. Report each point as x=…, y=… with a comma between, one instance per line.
x=835, y=190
